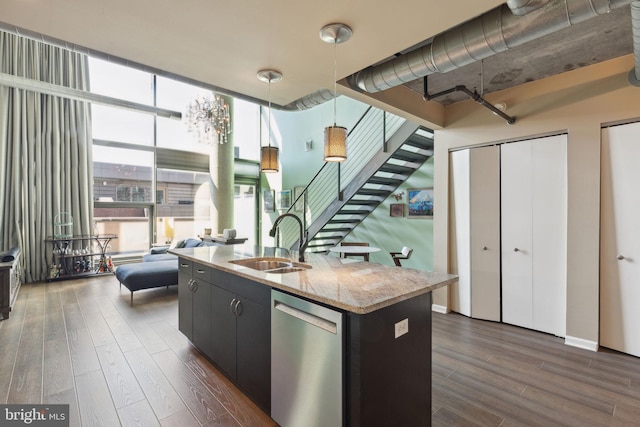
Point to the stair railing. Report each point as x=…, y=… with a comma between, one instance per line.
x=368, y=136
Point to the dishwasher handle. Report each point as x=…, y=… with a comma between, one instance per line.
x=309, y=318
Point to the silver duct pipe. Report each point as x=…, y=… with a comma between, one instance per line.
x=493, y=32
x=522, y=7
x=634, y=74
x=309, y=101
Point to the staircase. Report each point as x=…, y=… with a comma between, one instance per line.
x=408, y=149
x=377, y=164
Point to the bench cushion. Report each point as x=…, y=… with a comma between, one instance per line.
x=146, y=275
x=160, y=257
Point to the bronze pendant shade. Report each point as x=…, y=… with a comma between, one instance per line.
x=335, y=144
x=269, y=154
x=269, y=159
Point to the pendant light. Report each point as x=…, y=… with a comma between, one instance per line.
x=335, y=137
x=269, y=154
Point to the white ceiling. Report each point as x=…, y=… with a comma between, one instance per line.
x=225, y=43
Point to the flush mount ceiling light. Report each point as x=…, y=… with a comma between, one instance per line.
x=335, y=137
x=208, y=116
x=269, y=154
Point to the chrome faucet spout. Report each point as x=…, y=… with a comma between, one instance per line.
x=303, y=234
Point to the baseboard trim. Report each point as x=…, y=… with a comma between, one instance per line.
x=581, y=343
x=439, y=308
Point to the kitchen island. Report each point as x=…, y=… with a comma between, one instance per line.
x=384, y=364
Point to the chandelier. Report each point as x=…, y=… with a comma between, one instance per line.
x=207, y=115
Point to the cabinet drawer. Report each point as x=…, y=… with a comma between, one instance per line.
x=185, y=266
x=201, y=272
x=243, y=287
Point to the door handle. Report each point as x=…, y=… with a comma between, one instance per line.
x=620, y=257
x=195, y=286
x=236, y=307
x=231, y=306
x=516, y=250
x=190, y=285
x=309, y=318
x=484, y=248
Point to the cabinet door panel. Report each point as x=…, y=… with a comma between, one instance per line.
x=185, y=305
x=516, y=211
x=223, y=330
x=202, y=336
x=254, y=351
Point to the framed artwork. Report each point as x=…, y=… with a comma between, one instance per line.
x=420, y=202
x=299, y=206
x=283, y=199
x=269, y=200
x=396, y=209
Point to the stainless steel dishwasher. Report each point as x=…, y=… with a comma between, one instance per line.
x=306, y=363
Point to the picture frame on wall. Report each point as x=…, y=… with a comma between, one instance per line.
x=299, y=205
x=396, y=209
x=420, y=202
x=269, y=200
x=283, y=199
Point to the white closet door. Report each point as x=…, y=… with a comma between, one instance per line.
x=549, y=227
x=620, y=239
x=460, y=226
x=475, y=231
x=534, y=217
x=485, y=233
x=516, y=219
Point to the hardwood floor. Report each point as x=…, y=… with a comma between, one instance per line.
x=493, y=374
x=79, y=342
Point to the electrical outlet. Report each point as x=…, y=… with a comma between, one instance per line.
x=402, y=327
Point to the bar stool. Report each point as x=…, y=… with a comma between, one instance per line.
x=346, y=254
x=405, y=253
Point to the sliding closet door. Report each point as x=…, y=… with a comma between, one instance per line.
x=475, y=222
x=517, y=216
x=534, y=215
x=620, y=240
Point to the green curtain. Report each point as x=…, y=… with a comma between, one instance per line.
x=46, y=151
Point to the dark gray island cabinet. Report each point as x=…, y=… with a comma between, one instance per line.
x=385, y=344
x=227, y=317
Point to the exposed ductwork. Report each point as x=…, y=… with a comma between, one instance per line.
x=493, y=32
x=634, y=74
x=522, y=7
x=309, y=101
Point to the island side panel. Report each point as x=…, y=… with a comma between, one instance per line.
x=389, y=378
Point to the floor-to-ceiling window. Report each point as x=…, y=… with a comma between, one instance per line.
x=151, y=182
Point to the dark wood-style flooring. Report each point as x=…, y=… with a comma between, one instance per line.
x=79, y=342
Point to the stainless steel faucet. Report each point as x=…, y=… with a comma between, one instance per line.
x=303, y=234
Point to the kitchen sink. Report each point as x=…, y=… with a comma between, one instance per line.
x=272, y=265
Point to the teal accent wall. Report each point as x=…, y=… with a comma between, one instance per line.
x=390, y=234
x=299, y=166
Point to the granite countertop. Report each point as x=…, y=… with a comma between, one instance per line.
x=356, y=286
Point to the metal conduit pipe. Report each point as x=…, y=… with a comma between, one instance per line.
x=634, y=74
x=482, y=37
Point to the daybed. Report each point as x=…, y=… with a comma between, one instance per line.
x=157, y=269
